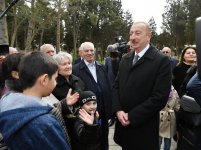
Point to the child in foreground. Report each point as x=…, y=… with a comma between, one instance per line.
x=26, y=122
x=87, y=131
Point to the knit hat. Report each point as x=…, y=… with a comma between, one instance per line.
x=86, y=96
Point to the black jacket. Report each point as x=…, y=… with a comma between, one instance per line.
x=62, y=87
x=85, y=136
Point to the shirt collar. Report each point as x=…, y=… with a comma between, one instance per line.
x=140, y=54
x=89, y=64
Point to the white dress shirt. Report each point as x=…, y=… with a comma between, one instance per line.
x=140, y=54
x=92, y=69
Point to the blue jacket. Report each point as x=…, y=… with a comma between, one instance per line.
x=28, y=124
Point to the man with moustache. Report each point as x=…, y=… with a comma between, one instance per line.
x=140, y=91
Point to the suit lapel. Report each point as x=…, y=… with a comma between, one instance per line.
x=84, y=67
x=150, y=54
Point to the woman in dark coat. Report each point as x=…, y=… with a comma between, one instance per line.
x=66, y=79
x=188, y=58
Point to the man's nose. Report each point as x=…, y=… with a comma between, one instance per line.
x=132, y=37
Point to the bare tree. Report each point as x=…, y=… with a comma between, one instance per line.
x=3, y=26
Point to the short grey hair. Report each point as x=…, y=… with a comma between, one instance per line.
x=45, y=46
x=61, y=56
x=85, y=44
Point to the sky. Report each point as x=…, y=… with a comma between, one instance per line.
x=143, y=10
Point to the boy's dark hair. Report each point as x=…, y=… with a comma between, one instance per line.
x=33, y=65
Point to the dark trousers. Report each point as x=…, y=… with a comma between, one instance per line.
x=105, y=131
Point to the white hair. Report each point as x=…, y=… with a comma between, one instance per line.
x=45, y=46
x=86, y=44
x=61, y=56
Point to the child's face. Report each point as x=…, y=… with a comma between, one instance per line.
x=90, y=106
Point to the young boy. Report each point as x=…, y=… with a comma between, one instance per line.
x=87, y=131
x=25, y=121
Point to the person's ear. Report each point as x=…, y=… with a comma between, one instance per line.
x=44, y=79
x=15, y=74
x=149, y=35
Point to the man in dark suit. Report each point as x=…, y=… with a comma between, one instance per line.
x=140, y=91
x=167, y=51
x=95, y=78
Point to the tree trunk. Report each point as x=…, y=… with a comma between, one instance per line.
x=30, y=28
x=15, y=28
x=29, y=36
x=3, y=26
x=41, y=37
x=58, y=27
x=74, y=41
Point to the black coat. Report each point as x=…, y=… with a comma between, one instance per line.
x=102, y=88
x=189, y=128
x=62, y=87
x=179, y=74
x=141, y=91
x=85, y=136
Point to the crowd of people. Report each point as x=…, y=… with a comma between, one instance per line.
x=48, y=101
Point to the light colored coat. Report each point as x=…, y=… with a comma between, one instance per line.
x=167, y=115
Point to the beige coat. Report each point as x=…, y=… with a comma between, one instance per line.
x=167, y=115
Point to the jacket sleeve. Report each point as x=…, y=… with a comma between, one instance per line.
x=62, y=106
x=115, y=96
x=86, y=133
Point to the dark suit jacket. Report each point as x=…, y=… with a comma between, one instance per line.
x=78, y=60
x=104, y=97
x=174, y=63
x=141, y=91
x=109, y=69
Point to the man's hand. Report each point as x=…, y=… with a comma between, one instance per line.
x=123, y=118
x=71, y=99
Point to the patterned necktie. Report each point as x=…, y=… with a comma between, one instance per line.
x=135, y=59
